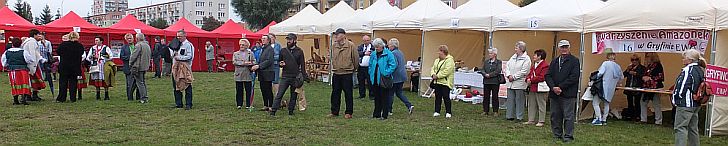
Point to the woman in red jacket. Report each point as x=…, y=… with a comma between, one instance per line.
x=537, y=89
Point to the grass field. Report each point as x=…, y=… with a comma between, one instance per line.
x=214, y=120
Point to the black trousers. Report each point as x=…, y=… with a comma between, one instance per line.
x=67, y=82
x=341, y=83
x=243, y=90
x=283, y=85
x=381, y=101
x=178, y=95
x=633, y=104
x=363, y=77
x=562, y=116
x=491, y=91
x=266, y=89
x=442, y=93
x=157, y=67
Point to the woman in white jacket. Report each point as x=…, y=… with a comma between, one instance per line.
x=611, y=73
x=516, y=72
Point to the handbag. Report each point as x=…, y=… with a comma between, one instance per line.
x=432, y=84
x=543, y=87
x=298, y=83
x=94, y=69
x=501, y=79
x=386, y=82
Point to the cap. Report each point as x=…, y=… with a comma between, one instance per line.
x=339, y=30
x=564, y=43
x=291, y=36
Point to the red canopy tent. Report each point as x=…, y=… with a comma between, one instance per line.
x=266, y=29
x=197, y=37
x=68, y=23
x=12, y=25
x=131, y=24
x=229, y=36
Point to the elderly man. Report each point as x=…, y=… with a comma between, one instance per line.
x=209, y=55
x=126, y=51
x=36, y=78
x=265, y=71
x=183, y=55
x=139, y=62
x=516, y=72
x=563, y=78
x=364, y=49
x=344, y=63
x=157, y=56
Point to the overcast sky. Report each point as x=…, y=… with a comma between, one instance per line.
x=83, y=7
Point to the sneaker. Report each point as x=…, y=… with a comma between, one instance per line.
x=539, y=124
x=604, y=123
x=436, y=114
x=448, y=115
x=391, y=113
x=596, y=122
x=411, y=109
x=348, y=116
x=241, y=107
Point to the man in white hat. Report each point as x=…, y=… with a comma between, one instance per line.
x=563, y=78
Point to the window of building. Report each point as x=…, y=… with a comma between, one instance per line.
x=200, y=13
x=209, y=4
x=198, y=22
x=220, y=14
x=199, y=4
x=449, y=3
x=222, y=6
x=209, y=14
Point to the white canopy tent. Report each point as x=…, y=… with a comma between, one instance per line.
x=301, y=23
x=464, y=30
x=622, y=15
x=340, y=11
x=719, y=117
x=363, y=20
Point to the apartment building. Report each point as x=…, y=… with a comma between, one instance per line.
x=192, y=10
x=107, y=12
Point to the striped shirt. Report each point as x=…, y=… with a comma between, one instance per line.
x=686, y=84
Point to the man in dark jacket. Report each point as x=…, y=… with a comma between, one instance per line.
x=293, y=63
x=70, y=68
x=167, y=57
x=563, y=79
x=125, y=56
x=157, y=56
x=265, y=72
x=365, y=49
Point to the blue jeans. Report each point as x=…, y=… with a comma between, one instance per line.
x=178, y=95
x=397, y=90
x=277, y=70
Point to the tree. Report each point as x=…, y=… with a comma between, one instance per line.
x=525, y=3
x=258, y=13
x=45, y=16
x=209, y=23
x=23, y=9
x=159, y=23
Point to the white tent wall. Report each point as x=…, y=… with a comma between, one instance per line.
x=466, y=45
x=410, y=42
x=505, y=41
x=306, y=42
x=719, y=121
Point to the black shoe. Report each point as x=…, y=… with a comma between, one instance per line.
x=98, y=96
x=510, y=119
x=80, y=96
x=568, y=140
x=24, y=100
x=15, y=100
x=290, y=113
x=188, y=107
x=106, y=95
x=273, y=114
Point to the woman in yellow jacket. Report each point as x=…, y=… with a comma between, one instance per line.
x=443, y=74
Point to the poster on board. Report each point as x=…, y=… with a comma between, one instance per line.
x=717, y=77
x=664, y=41
x=116, y=48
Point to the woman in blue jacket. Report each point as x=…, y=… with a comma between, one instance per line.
x=384, y=66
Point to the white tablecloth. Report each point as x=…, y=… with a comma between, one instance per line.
x=470, y=79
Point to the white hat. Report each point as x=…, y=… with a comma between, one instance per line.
x=564, y=43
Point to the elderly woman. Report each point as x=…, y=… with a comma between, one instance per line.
x=443, y=76
x=652, y=79
x=633, y=75
x=400, y=76
x=16, y=60
x=610, y=73
x=687, y=109
x=243, y=61
x=516, y=73
x=382, y=65
x=71, y=68
x=492, y=69
x=538, y=88
x=98, y=55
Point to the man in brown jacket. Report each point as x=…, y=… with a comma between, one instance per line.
x=139, y=61
x=344, y=62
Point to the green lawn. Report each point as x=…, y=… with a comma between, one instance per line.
x=215, y=120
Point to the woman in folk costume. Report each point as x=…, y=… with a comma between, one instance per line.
x=16, y=60
x=36, y=76
x=98, y=55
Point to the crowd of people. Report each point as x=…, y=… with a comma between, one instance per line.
x=378, y=65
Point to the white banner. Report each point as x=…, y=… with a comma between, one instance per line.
x=666, y=41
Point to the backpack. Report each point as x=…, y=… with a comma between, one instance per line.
x=704, y=93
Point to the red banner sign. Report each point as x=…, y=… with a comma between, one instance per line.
x=717, y=77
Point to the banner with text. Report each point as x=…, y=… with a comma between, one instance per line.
x=665, y=41
x=717, y=77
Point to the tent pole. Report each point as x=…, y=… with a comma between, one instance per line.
x=422, y=52
x=709, y=108
x=331, y=67
x=581, y=72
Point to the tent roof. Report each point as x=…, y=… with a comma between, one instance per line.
x=722, y=16
x=130, y=24
x=230, y=29
x=475, y=15
x=266, y=29
x=651, y=14
x=69, y=21
x=548, y=15
x=413, y=16
x=363, y=20
x=10, y=20
x=340, y=11
x=301, y=23
x=190, y=29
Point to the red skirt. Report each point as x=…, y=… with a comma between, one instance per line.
x=19, y=82
x=98, y=83
x=82, y=83
x=36, y=80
